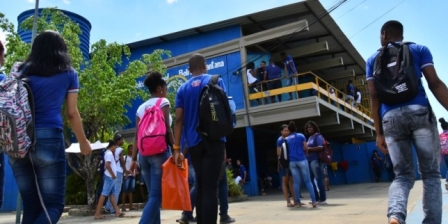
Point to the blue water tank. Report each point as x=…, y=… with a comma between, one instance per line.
x=84, y=24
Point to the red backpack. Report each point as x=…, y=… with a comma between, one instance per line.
x=444, y=143
x=151, y=137
x=326, y=155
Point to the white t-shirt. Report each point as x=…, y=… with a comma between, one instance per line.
x=250, y=78
x=150, y=103
x=359, y=97
x=238, y=179
x=117, y=159
x=128, y=162
x=109, y=157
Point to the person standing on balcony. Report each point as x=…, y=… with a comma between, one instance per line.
x=350, y=93
x=290, y=66
x=274, y=73
x=411, y=122
x=252, y=80
x=358, y=96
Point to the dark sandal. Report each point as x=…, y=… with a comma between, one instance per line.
x=121, y=215
x=100, y=218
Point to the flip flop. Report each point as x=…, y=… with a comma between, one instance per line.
x=121, y=215
x=132, y=209
x=100, y=218
x=289, y=205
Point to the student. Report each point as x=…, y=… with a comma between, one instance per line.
x=121, y=172
x=207, y=156
x=151, y=166
x=287, y=180
x=110, y=177
x=129, y=181
x=298, y=163
x=290, y=67
x=53, y=81
x=399, y=126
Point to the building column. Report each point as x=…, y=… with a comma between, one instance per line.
x=252, y=162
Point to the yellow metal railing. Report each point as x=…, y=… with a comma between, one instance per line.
x=323, y=92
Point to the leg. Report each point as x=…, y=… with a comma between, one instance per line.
x=291, y=188
x=317, y=172
x=295, y=173
x=223, y=196
x=131, y=193
x=305, y=176
x=285, y=183
x=99, y=205
x=118, y=184
x=123, y=195
x=426, y=142
x=2, y=176
x=446, y=163
x=207, y=160
x=152, y=174
x=118, y=213
x=399, y=144
x=193, y=195
x=316, y=193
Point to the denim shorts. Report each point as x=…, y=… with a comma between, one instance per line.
x=286, y=172
x=108, y=185
x=129, y=184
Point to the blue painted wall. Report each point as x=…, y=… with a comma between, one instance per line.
x=222, y=65
x=83, y=23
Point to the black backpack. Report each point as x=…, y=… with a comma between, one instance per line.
x=394, y=74
x=284, y=155
x=215, y=116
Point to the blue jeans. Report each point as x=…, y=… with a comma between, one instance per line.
x=117, y=190
x=316, y=173
x=404, y=127
x=2, y=176
x=108, y=186
x=129, y=184
x=193, y=191
x=151, y=168
x=300, y=171
x=48, y=160
x=446, y=163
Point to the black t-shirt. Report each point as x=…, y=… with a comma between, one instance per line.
x=260, y=73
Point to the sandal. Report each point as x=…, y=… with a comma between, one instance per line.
x=121, y=215
x=132, y=209
x=289, y=205
x=100, y=218
x=314, y=204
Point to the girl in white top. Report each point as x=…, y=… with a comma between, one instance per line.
x=251, y=79
x=358, y=96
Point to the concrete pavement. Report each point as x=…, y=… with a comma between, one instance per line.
x=361, y=203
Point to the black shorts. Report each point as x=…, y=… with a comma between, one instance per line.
x=275, y=84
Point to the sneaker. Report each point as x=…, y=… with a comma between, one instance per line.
x=193, y=220
x=226, y=219
x=183, y=219
x=322, y=203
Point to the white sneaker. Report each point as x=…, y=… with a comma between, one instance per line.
x=322, y=203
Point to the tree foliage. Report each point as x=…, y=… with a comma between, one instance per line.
x=104, y=94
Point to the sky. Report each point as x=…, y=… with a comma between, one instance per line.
x=132, y=20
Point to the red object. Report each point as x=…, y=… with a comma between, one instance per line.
x=175, y=189
x=344, y=165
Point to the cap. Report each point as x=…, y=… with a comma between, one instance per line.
x=117, y=137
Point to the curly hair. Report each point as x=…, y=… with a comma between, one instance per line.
x=313, y=125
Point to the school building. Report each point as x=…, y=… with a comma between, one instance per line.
x=322, y=54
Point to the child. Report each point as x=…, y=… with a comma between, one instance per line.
x=110, y=177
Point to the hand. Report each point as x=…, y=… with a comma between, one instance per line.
x=178, y=158
x=381, y=143
x=85, y=147
x=136, y=172
x=114, y=177
x=133, y=165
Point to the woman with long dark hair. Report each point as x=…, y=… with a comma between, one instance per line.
x=41, y=175
x=298, y=163
x=151, y=166
x=287, y=180
x=315, y=145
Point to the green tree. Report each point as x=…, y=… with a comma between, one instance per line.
x=104, y=94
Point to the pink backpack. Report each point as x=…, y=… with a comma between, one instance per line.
x=151, y=138
x=444, y=143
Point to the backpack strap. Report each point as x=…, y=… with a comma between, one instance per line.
x=159, y=101
x=213, y=80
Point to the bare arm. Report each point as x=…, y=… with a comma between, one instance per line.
x=178, y=126
x=135, y=148
x=123, y=164
x=305, y=147
x=315, y=149
x=74, y=119
x=375, y=105
x=437, y=87
x=169, y=131
x=110, y=170
x=279, y=151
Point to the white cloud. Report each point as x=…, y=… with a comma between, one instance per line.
x=137, y=34
x=31, y=1
x=67, y=2
x=3, y=38
x=171, y=1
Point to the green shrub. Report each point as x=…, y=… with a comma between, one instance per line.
x=75, y=191
x=234, y=189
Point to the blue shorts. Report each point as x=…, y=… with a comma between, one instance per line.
x=286, y=172
x=129, y=184
x=108, y=186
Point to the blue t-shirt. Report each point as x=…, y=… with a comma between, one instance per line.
x=187, y=98
x=288, y=62
x=350, y=90
x=274, y=72
x=422, y=58
x=315, y=140
x=49, y=95
x=242, y=171
x=295, y=145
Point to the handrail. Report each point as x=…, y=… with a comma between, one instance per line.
x=321, y=92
